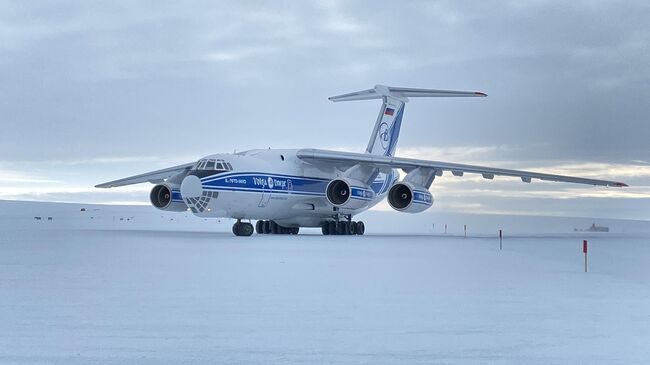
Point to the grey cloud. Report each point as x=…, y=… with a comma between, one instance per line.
x=79, y=76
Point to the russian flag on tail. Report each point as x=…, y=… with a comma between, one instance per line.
x=389, y=111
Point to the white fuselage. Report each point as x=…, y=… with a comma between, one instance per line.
x=274, y=185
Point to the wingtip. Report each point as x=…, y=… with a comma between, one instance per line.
x=620, y=185
x=480, y=93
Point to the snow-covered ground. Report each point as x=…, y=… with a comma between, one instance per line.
x=71, y=296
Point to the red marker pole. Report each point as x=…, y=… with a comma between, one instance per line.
x=500, y=239
x=584, y=250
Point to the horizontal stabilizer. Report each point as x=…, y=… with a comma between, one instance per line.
x=403, y=93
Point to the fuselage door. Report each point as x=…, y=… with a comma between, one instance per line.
x=266, y=194
x=266, y=197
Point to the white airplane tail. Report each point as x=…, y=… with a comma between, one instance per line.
x=383, y=140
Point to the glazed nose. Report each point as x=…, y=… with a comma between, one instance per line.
x=191, y=187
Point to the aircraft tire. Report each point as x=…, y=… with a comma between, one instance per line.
x=340, y=228
x=353, y=227
x=259, y=227
x=360, y=228
x=333, y=228
x=245, y=229
x=325, y=228
x=275, y=229
x=295, y=230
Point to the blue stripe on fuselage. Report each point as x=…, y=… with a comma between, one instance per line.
x=273, y=183
x=382, y=184
x=286, y=184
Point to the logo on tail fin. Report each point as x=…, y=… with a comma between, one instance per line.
x=383, y=135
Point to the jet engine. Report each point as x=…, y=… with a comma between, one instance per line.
x=409, y=198
x=162, y=197
x=349, y=194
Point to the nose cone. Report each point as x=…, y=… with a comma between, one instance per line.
x=191, y=187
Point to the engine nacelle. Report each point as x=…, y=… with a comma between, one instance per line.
x=167, y=197
x=348, y=194
x=408, y=198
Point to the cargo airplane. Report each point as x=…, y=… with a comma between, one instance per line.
x=291, y=188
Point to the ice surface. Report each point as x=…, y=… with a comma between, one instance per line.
x=145, y=297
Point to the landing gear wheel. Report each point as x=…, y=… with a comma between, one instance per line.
x=333, y=230
x=270, y=227
x=352, y=227
x=340, y=228
x=325, y=228
x=245, y=229
x=360, y=228
x=242, y=229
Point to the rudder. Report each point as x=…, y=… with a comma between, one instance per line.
x=383, y=139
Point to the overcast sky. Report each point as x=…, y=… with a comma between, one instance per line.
x=94, y=91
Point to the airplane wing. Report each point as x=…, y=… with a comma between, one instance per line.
x=152, y=177
x=348, y=159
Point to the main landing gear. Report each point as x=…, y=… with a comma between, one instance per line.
x=242, y=228
x=270, y=227
x=343, y=228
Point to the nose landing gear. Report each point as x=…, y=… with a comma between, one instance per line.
x=242, y=229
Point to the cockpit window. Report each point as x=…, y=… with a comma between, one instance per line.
x=211, y=164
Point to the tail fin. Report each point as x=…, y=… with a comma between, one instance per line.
x=383, y=140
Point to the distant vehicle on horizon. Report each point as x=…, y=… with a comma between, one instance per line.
x=593, y=228
x=291, y=188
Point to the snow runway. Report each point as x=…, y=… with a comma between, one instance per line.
x=74, y=296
